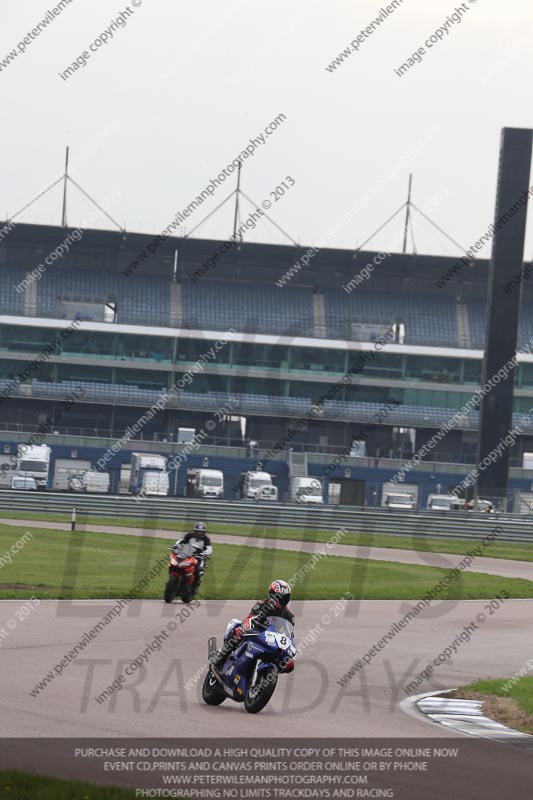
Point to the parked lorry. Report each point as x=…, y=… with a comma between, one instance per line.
x=7, y=471
x=522, y=503
x=65, y=469
x=399, y=495
x=444, y=502
x=400, y=500
x=254, y=483
x=205, y=483
x=149, y=475
x=91, y=482
x=268, y=493
x=306, y=490
x=33, y=461
x=483, y=506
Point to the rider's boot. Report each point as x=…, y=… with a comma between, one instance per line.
x=217, y=660
x=196, y=583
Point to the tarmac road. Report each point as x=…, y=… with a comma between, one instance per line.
x=309, y=702
x=332, y=637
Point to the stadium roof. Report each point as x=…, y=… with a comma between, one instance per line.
x=27, y=244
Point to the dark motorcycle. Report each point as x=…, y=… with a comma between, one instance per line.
x=183, y=559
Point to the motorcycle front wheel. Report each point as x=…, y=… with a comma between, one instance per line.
x=212, y=692
x=188, y=594
x=258, y=696
x=171, y=588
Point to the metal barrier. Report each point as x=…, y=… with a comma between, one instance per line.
x=460, y=525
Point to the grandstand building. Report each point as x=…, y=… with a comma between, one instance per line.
x=346, y=363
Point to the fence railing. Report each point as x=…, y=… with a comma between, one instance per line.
x=459, y=525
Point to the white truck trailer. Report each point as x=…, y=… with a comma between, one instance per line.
x=33, y=461
x=66, y=469
x=253, y=482
x=399, y=495
x=306, y=490
x=149, y=475
x=205, y=483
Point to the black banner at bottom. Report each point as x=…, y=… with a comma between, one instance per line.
x=404, y=769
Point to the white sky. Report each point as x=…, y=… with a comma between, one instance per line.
x=182, y=88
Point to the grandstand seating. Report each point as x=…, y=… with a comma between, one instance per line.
x=11, y=301
x=428, y=320
x=477, y=322
x=93, y=391
x=251, y=404
x=525, y=330
x=142, y=300
x=250, y=307
x=146, y=302
x=477, y=311
x=217, y=304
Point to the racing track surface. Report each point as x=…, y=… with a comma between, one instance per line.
x=309, y=702
x=159, y=701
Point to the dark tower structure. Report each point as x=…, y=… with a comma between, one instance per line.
x=503, y=306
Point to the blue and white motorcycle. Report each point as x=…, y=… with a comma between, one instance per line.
x=250, y=673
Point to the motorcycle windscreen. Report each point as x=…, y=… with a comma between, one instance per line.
x=280, y=625
x=279, y=635
x=185, y=550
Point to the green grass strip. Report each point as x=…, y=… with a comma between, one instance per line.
x=85, y=565
x=16, y=785
x=505, y=550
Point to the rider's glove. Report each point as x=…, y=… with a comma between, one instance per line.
x=238, y=633
x=289, y=666
x=248, y=623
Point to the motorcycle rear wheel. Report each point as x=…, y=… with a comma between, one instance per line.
x=212, y=692
x=171, y=588
x=257, y=697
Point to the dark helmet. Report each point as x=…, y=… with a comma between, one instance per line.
x=280, y=591
x=200, y=528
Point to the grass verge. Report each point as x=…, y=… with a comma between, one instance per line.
x=17, y=785
x=507, y=701
x=505, y=550
x=83, y=565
